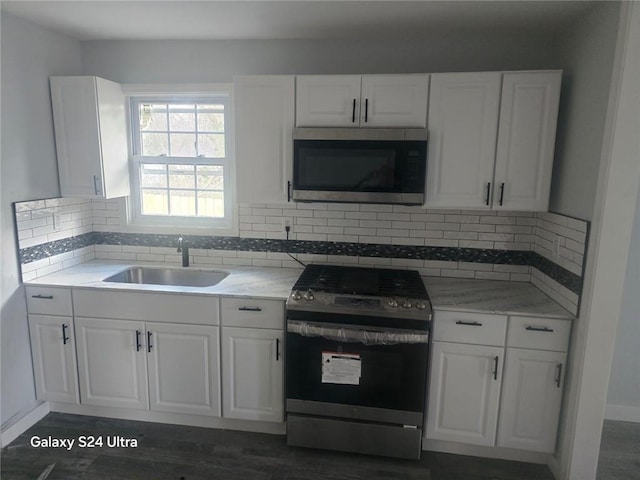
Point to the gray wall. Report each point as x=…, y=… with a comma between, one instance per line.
x=585, y=53
x=28, y=170
x=623, y=401
x=218, y=61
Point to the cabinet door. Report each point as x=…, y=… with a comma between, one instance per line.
x=464, y=393
x=75, y=118
x=183, y=366
x=264, y=122
x=463, y=124
x=54, y=358
x=526, y=140
x=113, y=139
x=112, y=362
x=531, y=397
x=328, y=100
x=394, y=101
x=252, y=374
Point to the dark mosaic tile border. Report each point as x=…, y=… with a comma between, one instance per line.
x=55, y=247
x=452, y=254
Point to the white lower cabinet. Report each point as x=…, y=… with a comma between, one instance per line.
x=497, y=390
x=464, y=392
x=183, y=368
x=54, y=358
x=159, y=366
x=112, y=362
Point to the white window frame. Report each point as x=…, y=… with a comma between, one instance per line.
x=219, y=93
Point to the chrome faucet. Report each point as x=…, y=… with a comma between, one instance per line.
x=183, y=247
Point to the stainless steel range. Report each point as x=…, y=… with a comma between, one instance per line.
x=357, y=352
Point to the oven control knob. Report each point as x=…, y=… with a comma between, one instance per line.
x=406, y=304
x=308, y=296
x=296, y=295
x=393, y=303
x=421, y=305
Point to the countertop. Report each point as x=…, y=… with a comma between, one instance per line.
x=258, y=282
x=486, y=296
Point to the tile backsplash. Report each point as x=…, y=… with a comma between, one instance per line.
x=544, y=248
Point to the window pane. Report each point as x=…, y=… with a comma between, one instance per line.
x=210, y=204
x=210, y=177
x=153, y=175
x=183, y=144
x=154, y=202
x=154, y=144
x=183, y=203
x=211, y=145
x=210, y=122
x=153, y=117
x=182, y=118
x=182, y=176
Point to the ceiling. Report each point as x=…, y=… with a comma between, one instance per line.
x=109, y=20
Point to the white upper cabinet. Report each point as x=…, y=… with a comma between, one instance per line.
x=463, y=124
x=526, y=140
x=362, y=100
x=91, y=137
x=264, y=120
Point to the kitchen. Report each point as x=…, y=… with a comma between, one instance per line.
x=145, y=63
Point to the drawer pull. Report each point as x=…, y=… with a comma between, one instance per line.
x=43, y=297
x=471, y=324
x=64, y=334
x=539, y=329
x=277, y=349
x=149, y=346
x=250, y=309
x=138, y=344
x=495, y=367
x=558, y=374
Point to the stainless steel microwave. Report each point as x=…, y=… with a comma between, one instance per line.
x=359, y=165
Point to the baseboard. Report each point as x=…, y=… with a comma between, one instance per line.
x=24, y=424
x=625, y=413
x=277, y=428
x=486, y=452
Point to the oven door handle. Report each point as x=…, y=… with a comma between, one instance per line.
x=359, y=335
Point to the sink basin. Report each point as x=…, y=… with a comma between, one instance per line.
x=168, y=276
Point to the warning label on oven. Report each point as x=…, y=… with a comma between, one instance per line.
x=342, y=368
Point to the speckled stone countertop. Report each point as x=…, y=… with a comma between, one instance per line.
x=490, y=296
x=259, y=282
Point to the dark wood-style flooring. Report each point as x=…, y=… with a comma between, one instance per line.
x=619, y=451
x=170, y=452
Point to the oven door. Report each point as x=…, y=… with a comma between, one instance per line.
x=331, y=365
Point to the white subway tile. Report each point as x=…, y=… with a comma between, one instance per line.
x=443, y=211
x=361, y=215
x=461, y=235
x=475, y=244
x=523, y=229
x=256, y=262
x=485, y=267
x=496, y=237
x=253, y=234
x=407, y=262
x=149, y=257
x=394, y=216
x=511, y=268
x=512, y=246
x=409, y=241
x=311, y=221
x=375, y=223
x=443, y=226
x=526, y=221
x=342, y=238
x=429, y=272
x=315, y=237
x=344, y=207
x=520, y=277
x=359, y=231
x=380, y=261
x=374, y=239
x=267, y=211
x=33, y=241
x=392, y=232
x=457, y=273
x=492, y=276
x=339, y=222
x=426, y=233
x=574, y=246
x=376, y=208
x=477, y=227
x=311, y=206
x=495, y=220
x=121, y=256
x=252, y=255
x=436, y=242
x=328, y=214
x=35, y=265
x=50, y=269
x=342, y=259
x=575, y=224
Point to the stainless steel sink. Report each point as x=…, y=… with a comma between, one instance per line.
x=168, y=276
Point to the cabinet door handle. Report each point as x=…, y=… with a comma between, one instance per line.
x=289, y=191
x=277, y=349
x=353, y=113
x=43, y=297
x=96, y=188
x=64, y=334
x=366, y=110
x=250, y=309
x=486, y=200
x=501, y=193
x=495, y=367
x=471, y=324
x=138, y=344
x=539, y=329
x=149, y=346
x=558, y=374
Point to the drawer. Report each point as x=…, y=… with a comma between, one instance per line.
x=49, y=301
x=252, y=312
x=467, y=327
x=539, y=333
x=153, y=307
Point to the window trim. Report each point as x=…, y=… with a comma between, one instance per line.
x=195, y=93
